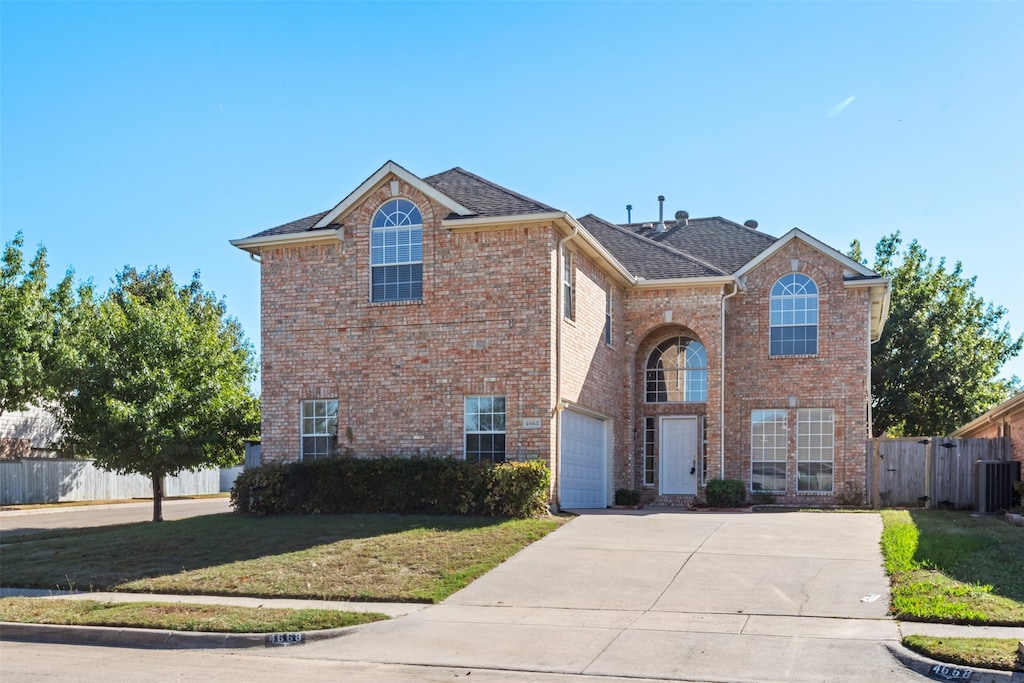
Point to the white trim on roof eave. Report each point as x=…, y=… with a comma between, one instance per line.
x=254, y=244
x=685, y=281
x=371, y=183
x=990, y=416
x=458, y=224
x=797, y=233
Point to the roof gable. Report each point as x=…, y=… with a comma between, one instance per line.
x=374, y=181
x=852, y=268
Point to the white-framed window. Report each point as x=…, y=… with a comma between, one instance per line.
x=649, y=441
x=568, y=285
x=769, y=436
x=608, y=313
x=485, y=428
x=319, y=429
x=793, y=316
x=815, y=449
x=396, y=252
x=677, y=372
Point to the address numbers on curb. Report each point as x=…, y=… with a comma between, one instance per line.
x=284, y=639
x=948, y=673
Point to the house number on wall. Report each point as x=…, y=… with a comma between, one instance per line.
x=531, y=423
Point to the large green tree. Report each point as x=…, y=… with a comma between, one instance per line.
x=158, y=379
x=937, y=363
x=30, y=326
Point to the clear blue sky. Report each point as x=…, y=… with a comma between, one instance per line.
x=152, y=133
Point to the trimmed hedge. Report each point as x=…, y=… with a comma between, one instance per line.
x=725, y=493
x=433, y=486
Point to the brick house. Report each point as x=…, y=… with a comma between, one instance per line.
x=449, y=316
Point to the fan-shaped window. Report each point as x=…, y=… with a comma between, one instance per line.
x=396, y=253
x=677, y=371
x=793, y=317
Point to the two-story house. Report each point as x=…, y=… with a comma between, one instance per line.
x=449, y=316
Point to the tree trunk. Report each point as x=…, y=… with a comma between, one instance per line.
x=158, y=495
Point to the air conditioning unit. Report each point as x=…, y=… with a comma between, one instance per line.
x=993, y=485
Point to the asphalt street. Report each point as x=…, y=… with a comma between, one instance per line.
x=13, y=522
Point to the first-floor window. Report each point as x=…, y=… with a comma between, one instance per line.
x=815, y=449
x=649, y=451
x=319, y=429
x=485, y=428
x=768, y=438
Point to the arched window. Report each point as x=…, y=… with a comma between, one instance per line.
x=677, y=371
x=793, y=317
x=396, y=252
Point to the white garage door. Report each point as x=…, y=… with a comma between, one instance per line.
x=582, y=478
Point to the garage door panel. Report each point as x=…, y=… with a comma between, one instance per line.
x=583, y=472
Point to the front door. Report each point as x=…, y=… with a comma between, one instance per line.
x=679, y=455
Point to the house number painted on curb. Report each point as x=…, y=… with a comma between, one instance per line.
x=951, y=674
x=282, y=639
x=531, y=423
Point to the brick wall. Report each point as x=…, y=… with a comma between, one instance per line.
x=487, y=326
x=400, y=371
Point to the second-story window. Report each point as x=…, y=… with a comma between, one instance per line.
x=568, y=285
x=793, y=318
x=396, y=252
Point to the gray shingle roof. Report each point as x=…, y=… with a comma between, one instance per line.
x=705, y=247
x=644, y=258
x=716, y=240
x=482, y=196
x=300, y=225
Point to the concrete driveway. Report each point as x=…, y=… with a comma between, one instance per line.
x=670, y=595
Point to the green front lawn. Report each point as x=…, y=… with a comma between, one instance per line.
x=952, y=567
x=343, y=557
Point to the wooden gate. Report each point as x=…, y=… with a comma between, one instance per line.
x=933, y=472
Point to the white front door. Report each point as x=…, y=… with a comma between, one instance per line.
x=679, y=455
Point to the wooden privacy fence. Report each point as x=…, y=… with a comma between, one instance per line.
x=932, y=472
x=50, y=480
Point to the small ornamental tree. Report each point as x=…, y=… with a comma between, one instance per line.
x=157, y=380
x=30, y=324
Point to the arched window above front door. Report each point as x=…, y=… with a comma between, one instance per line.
x=677, y=372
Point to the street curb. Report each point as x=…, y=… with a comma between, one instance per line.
x=152, y=638
x=925, y=667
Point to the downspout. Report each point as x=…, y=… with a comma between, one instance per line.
x=721, y=393
x=559, y=313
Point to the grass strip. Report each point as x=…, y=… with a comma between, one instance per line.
x=954, y=568
x=984, y=653
x=177, y=616
x=330, y=557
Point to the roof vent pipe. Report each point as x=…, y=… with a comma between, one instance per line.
x=629, y=213
x=661, y=214
x=752, y=224
x=682, y=218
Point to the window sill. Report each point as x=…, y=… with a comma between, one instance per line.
x=385, y=304
x=795, y=355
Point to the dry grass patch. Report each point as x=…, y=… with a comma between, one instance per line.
x=176, y=616
x=342, y=557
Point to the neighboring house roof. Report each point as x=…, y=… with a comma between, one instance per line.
x=1008, y=408
x=644, y=258
x=717, y=241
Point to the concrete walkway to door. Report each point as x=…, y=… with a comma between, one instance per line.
x=665, y=595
